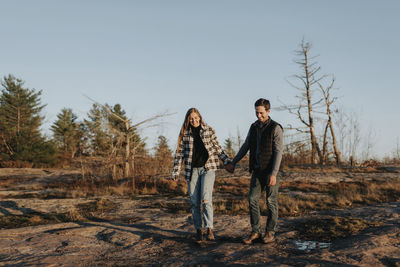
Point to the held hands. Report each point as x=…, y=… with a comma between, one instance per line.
x=230, y=167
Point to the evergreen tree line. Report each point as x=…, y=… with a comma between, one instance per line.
x=105, y=134
x=102, y=134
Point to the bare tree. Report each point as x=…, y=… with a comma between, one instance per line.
x=369, y=144
x=396, y=152
x=353, y=137
x=126, y=130
x=326, y=92
x=295, y=150
x=308, y=78
x=325, y=152
x=340, y=121
x=126, y=134
x=314, y=106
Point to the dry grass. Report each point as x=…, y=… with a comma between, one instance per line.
x=366, y=193
x=160, y=186
x=339, y=195
x=103, y=186
x=309, y=168
x=232, y=186
x=306, y=187
x=330, y=228
x=173, y=207
x=231, y=206
x=365, y=168
x=310, y=197
x=96, y=209
x=298, y=205
x=230, y=194
x=230, y=197
x=92, y=210
x=6, y=182
x=37, y=218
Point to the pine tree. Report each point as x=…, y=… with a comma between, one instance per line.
x=119, y=130
x=228, y=148
x=162, y=148
x=68, y=133
x=163, y=155
x=111, y=135
x=126, y=140
x=99, y=136
x=20, y=122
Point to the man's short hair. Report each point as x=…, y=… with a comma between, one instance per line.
x=263, y=102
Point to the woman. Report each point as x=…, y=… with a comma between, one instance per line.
x=199, y=149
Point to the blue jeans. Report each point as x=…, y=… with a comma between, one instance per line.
x=200, y=189
x=271, y=195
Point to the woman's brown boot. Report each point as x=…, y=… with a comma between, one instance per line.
x=210, y=235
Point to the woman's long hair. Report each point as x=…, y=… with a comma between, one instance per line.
x=186, y=125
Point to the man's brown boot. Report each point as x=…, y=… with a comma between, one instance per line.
x=252, y=237
x=269, y=237
x=210, y=235
x=199, y=235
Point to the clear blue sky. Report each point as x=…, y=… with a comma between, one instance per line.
x=218, y=56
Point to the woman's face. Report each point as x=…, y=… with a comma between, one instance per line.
x=194, y=119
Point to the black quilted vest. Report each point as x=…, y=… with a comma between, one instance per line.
x=266, y=146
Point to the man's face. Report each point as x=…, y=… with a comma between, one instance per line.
x=262, y=114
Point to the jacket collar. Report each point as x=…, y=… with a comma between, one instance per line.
x=262, y=124
x=202, y=128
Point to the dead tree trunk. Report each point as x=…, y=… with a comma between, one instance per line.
x=334, y=143
x=125, y=135
x=325, y=145
x=308, y=78
x=328, y=102
x=127, y=150
x=133, y=172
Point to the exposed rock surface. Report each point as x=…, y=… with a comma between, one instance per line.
x=137, y=234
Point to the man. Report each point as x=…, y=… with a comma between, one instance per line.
x=264, y=140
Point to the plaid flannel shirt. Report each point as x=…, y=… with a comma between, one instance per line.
x=185, y=152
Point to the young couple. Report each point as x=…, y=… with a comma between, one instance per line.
x=200, y=152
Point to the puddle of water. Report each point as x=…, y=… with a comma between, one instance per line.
x=309, y=245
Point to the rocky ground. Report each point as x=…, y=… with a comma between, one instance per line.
x=136, y=232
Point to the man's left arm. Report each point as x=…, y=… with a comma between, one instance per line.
x=277, y=147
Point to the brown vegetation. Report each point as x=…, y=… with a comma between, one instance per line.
x=97, y=215
x=299, y=198
x=230, y=194
x=16, y=221
x=92, y=210
x=330, y=228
